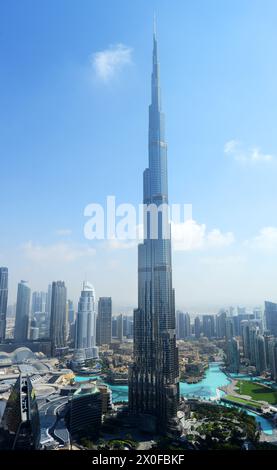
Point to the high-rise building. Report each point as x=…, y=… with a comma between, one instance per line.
x=85, y=412
x=197, y=327
x=183, y=326
x=221, y=324
x=230, y=328
x=267, y=341
x=128, y=326
x=20, y=426
x=253, y=332
x=104, y=321
x=71, y=313
x=272, y=363
x=85, y=335
x=22, y=314
x=271, y=317
x=154, y=376
x=180, y=325
x=48, y=301
x=39, y=323
x=114, y=329
x=58, y=316
x=260, y=354
x=3, y=301
x=233, y=355
x=120, y=327
x=209, y=326
x=245, y=331
x=38, y=302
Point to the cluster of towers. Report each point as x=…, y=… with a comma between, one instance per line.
x=250, y=337
x=50, y=315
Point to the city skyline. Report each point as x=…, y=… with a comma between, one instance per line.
x=73, y=89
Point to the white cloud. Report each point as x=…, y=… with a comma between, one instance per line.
x=187, y=236
x=266, y=240
x=235, y=149
x=217, y=238
x=59, y=252
x=110, y=61
x=190, y=236
x=231, y=146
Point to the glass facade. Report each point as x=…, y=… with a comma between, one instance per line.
x=154, y=376
x=58, y=316
x=22, y=316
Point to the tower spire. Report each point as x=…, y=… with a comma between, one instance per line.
x=155, y=69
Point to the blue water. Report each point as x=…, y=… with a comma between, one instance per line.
x=207, y=388
x=83, y=378
x=264, y=423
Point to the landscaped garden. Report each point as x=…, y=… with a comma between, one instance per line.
x=256, y=391
x=242, y=401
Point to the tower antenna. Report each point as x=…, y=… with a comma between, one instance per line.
x=155, y=24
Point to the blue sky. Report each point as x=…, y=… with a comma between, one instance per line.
x=73, y=132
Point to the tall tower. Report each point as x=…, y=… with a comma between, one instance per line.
x=3, y=301
x=58, y=316
x=104, y=321
x=22, y=316
x=86, y=322
x=154, y=376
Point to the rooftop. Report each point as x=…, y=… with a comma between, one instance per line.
x=86, y=389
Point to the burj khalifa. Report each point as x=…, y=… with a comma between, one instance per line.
x=154, y=374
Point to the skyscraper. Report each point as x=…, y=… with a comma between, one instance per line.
x=86, y=322
x=233, y=355
x=183, y=326
x=209, y=326
x=22, y=312
x=3, y=301
x=180, y=325
x=48, y=301
x=271, y=317
x=221, y=324
x=85, y=412
x=38, y=302
x=245, y=326
x=154, y=376
x=273, y=358
x=197, y=327
x=104, y=321
x=71, y=313
x=58, y=316
x=260, y=354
